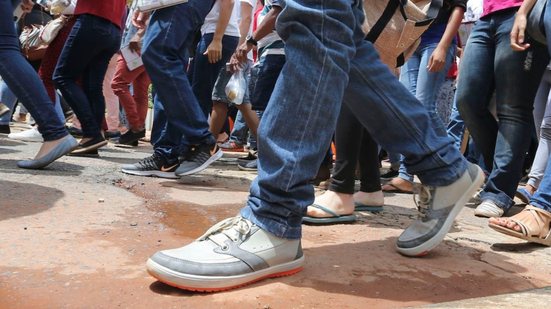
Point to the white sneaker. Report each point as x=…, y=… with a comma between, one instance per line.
x=488, y=209
x=232, y=253
x=31, y=135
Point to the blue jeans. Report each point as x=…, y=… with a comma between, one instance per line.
x=240, y=130
x=206, y=73
x=329, y=62
x=424, y=85
x=9, y=99
x=171, y=31
x=542, y=197
x=86, y=55
x=489, y=64
x=22, y=79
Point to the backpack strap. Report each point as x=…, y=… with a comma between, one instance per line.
x=381, y=23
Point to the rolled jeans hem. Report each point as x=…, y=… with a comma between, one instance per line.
x=282, y=230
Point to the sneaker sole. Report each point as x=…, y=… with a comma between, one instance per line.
x=220, y=283
x=167, y=175
x=430, y=244
x=213, y=158
x=248, y=169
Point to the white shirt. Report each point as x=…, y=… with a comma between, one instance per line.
x=212, y=19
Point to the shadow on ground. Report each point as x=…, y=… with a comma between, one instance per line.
x=17, y=202
x=372, y=270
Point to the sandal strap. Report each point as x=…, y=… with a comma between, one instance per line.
x=533, y=221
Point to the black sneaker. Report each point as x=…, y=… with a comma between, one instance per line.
x=155, y=165
x=198, y=158
x=248, y=166
x=250, y=157
x=130, y=137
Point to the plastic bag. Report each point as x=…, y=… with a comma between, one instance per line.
x=236, y=87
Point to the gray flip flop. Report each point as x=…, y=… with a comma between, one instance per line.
x=328, y=220
x=362, y=207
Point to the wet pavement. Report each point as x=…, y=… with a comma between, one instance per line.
x=77, y=235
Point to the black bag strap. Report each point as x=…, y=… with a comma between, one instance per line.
x=381, y=23
x=390, y=9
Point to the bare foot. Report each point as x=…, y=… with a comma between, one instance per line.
x=47, y=147
x=376, y=198
x=505, y=222
x=340, y=203
x=84, y=140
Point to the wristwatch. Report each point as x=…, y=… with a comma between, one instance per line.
x=251, y=41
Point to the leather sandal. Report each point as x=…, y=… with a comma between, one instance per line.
x=534, y=223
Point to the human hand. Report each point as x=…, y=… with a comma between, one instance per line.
x=517, y=33
x=139, y=19
x=214, y=51
x=437, y=60
x=27, y=5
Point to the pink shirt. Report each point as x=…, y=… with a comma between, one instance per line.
x=491, y=6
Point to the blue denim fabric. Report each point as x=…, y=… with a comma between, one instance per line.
x=267, y=71
x=205, y=73
x=9, y=99
x=22, y=79
x=489, y=64
x=424, y=85
x=86, y=55
x=240, y=130
x=329, y=62
x=164, y=53
x=542, y=197
x=456, y=127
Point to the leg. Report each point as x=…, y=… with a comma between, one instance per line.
x=477, y=72
x=218, y=117
x=517, y=76
x=251, y=118
x=111, y=100
x=121, y=87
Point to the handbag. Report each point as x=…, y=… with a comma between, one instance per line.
x=31, y=45
x=150, y=5
x=395, y=26
x=51, y=29
x=535, y=24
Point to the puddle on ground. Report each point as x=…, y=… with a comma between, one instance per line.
x=193, y=220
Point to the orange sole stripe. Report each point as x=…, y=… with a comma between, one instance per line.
x=210, y=290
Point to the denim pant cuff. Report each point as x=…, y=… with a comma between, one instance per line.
x=55, y=136
x=444, y=175
x=500, y=199
x=406, y=176
x=283, y=230
x=544, y=207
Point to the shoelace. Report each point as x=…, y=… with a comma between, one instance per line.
x=425, y=198
x=226, y=227
x=150, y=162
x=197, y=155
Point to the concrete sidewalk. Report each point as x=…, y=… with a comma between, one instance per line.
x=77, y=234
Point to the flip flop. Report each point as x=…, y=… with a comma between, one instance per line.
x=328, y=220
x=523, y=195
x=395, y=189
x=362, y=207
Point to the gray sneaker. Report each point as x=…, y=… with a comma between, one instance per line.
x=232, y=253
x=198, y=158
x=438, y=207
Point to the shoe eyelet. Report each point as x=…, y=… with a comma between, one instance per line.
x=225, y=248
